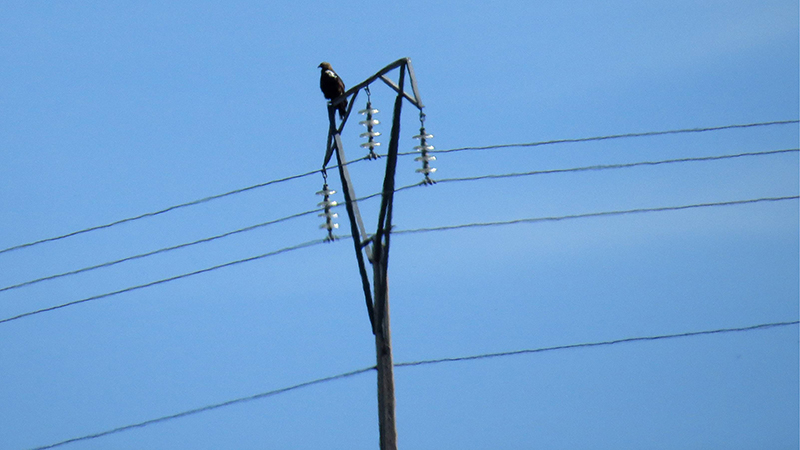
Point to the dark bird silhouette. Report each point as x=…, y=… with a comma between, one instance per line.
x=332, y=86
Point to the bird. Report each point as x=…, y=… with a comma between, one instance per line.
x=332, y=86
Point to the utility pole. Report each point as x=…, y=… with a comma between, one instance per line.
x=376, y=246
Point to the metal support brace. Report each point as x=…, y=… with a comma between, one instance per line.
x=385, y=215
x=356, y=224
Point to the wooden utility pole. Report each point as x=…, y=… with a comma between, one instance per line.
x=385, y=367
x=376, y=246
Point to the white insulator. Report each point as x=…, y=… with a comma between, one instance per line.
x=370, y=134
x=327, y=203
x=423, y=136
x=330, y=226
x=369, y=123
x=427, y=148
x=370, y=144
x=332, y=215
x=425, y=158
x=326, y=192
x=426, y=170
x=369, y=111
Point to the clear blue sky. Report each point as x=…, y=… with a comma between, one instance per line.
x=115, y=109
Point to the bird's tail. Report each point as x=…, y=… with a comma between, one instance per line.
x=342, y=109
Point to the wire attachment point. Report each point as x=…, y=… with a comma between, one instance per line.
x=327, y=204
x=369, y=123
x=424, y=148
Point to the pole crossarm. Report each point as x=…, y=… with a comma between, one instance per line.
x=415, y=99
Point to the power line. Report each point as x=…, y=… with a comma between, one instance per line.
x=165, y=280
x=262, y=395
x=209, y=407
x=159, y=212
x=597, y=344
x=293, y=177
x=617, y=136
x=594, y=214
x=161, y=250
x=445, y=180
x=620, y=166
x=170, y=208
x=179, y=246
x=409, y=231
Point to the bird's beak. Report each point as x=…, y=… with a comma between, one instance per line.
x=319, y=66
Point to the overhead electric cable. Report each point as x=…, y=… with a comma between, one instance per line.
x=292, y=177
x=170, y=208
x=210, y=407
x=165, y=280
x=617, y=136
x=597, y=344
x=409, y=231
x=161, y=250
x=594, y=214
x=156, y=213
x=619, y=166
x=214, y=406
x=443, y=180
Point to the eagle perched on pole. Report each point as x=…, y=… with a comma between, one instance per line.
x=332, y=86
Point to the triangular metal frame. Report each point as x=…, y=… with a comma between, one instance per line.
x=375, y=246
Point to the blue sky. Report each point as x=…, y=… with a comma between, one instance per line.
x=111, y=110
